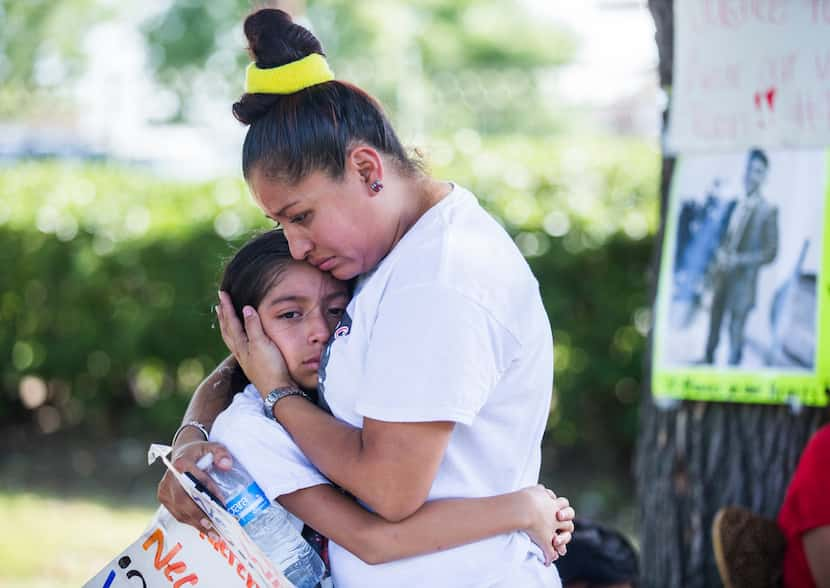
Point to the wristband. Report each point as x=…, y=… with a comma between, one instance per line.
x=195, y=425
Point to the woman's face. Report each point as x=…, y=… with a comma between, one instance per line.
x=299, y=313
x=330, y=224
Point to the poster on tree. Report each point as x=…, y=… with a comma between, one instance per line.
x=743, y=304
x=750, y=73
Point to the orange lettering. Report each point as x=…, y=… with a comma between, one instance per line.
x=177, y=568
x=191, y=579
x=158, y=538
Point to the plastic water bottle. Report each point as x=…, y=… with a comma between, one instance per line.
x=267, y=523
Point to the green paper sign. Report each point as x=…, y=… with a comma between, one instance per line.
x=743, y=304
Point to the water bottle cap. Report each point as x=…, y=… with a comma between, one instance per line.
x=205, y=461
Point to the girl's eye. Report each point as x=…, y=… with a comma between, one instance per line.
x=298, y=218
x=338, y=312
x=291, y=314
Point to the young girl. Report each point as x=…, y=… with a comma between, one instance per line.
x=299, y=307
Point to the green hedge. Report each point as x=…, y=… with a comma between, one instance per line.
x=108, y=277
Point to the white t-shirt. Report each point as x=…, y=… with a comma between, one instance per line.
x=264, y=447
x=450, y=327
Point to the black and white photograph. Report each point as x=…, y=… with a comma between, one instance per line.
x=745, y=243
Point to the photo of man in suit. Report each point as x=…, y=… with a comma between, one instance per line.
x=749, y=242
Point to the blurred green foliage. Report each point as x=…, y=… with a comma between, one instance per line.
x=439, y=62
x=41, y=49
x=109, y=276
x=442, y=64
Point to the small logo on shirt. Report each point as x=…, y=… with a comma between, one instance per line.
x=342, y=331
x=344, y=327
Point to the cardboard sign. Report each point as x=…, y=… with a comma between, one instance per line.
x=750, y=73
x=170, y=553
x=743, y=305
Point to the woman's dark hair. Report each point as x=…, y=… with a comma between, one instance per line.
x=311, y=130
x=250, y=273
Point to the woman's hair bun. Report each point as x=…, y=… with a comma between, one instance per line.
x=274, y=39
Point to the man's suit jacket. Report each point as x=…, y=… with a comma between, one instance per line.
x=751, y=244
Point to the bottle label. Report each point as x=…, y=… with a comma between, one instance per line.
x=246, y=505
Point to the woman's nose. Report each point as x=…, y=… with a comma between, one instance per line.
x=298, y=245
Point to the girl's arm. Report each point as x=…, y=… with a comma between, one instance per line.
x=437, y=525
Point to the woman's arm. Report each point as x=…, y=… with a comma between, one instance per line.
x=388, y=465
x=437, y=525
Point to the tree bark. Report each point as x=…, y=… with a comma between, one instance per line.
x=695, y=457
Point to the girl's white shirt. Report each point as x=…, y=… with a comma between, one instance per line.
x=265, y=448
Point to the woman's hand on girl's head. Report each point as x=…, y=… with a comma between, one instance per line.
x=257, y=355
x=551, y=524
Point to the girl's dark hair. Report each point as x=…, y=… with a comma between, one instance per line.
x=311, y=130
x=250, y=273
x=255, y=268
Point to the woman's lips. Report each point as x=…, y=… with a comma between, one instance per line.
x=327, y=264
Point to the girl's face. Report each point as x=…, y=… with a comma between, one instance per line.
x=332, y=224
x=299, y=314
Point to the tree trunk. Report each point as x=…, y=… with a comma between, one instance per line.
x=696, y=457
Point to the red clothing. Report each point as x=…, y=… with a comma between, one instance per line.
x=806, y=507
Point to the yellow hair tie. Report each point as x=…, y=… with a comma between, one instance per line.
x=289, y=78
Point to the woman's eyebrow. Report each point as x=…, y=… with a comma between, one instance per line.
x=281, y=211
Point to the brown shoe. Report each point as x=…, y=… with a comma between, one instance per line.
x=749, y=549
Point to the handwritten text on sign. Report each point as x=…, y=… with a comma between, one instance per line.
x=750, y=73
